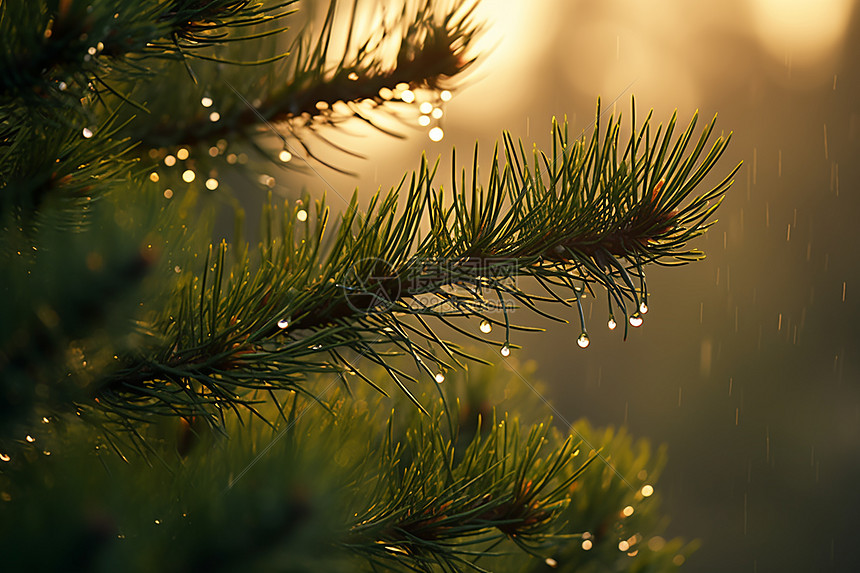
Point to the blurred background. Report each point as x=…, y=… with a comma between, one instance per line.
x=747, y=364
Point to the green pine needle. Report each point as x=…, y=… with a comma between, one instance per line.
x=591, y=214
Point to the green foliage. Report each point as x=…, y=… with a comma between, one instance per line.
x=57, y=49
x=78, y=152
x=595, y=218
x=137, y=348
x=373, y=484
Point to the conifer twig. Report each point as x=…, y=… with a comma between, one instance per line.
x=596, y=217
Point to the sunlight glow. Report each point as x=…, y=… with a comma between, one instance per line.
x=805, y=30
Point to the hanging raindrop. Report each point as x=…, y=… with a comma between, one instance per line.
x=583, y=340
x=440, y=378
x=627, y=511
x=486, y=327
x=284, y=323
x=643, y=308
x=505, y=351
x=611, y=324
x=636, y=320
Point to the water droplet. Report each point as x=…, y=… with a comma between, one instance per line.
x=486, y=327
x=46, y=420
x=436, y=134
x=636, y=320
x=214, y=116
x=643, y=308
x=436, y=113
x=408, y=96
x=62, y=86
x=551, y=562
x=285, y=155
x=157, y=522
x=30, y=438
x=188, y=176
x=353, y=76
x=505, y=351
x=424, y=121
x=87, y=132
x=283, y=323
x=583, y=340
x=586, y=544
x=302, y=215
x=5, y=457
x=611, y=324
x=168, y=193
x=170, y=161
x=440, y=378
x=445, y=95
x=154, y=177
x=425, y=107
x=623, y=546
x=627, y=511
x=647, y=490
x=182, y=154
x=206, y=102
x=212, y=184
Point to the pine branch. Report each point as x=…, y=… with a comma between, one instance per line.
x=54, y=46
x=431, y=42
x=372, y=484
x=597, y=216
x=59, y=171
x=437, y=509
